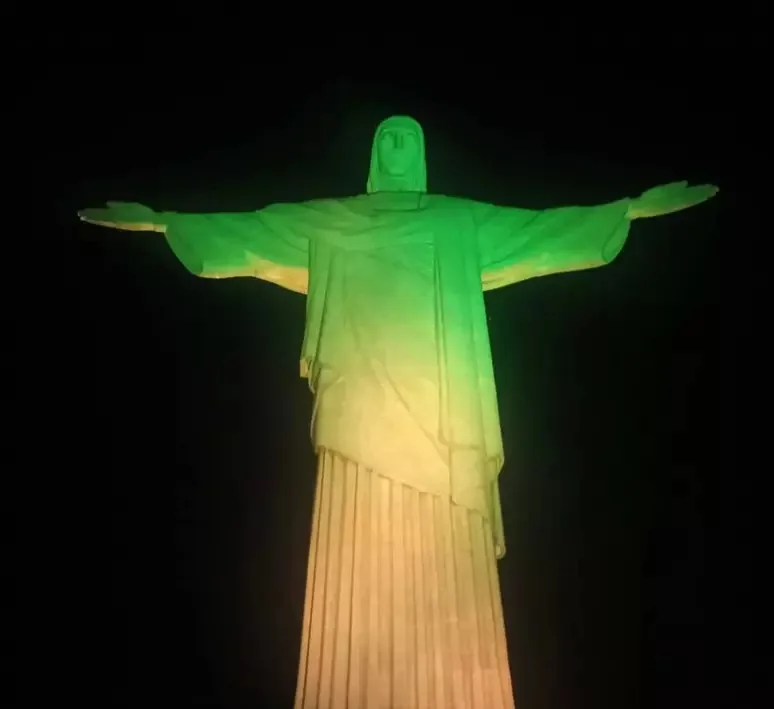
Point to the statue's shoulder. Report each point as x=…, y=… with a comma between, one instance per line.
x=335, y=204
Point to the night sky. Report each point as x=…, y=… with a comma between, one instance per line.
x=183, y=492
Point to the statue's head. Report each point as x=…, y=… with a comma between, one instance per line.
x=398, y=157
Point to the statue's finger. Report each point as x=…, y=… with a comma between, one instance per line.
x=90, y=214
x=706, y=191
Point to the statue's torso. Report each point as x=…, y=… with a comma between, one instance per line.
x=374, y=335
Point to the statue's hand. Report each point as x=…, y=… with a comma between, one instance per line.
x=123, y=215
x=669, y=198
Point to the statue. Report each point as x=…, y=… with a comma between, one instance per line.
x=403, y=606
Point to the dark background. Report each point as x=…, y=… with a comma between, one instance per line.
x=173, y=460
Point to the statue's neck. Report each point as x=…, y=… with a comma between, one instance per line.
x=397, y=201
x=391, y=183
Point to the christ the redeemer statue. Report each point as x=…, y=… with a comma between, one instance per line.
x=403, y=607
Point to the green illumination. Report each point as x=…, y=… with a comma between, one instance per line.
x=396, y=351
x=396, y=346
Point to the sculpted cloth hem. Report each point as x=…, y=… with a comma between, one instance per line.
x=403, y=606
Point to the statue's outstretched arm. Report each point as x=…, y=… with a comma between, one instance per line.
x=517, y=244
x=270, y=244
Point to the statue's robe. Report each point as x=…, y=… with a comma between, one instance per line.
x=403, y=605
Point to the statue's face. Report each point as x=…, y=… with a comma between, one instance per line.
x=398, y=150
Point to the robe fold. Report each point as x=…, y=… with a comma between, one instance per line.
x=396, y=346
x=403, y=607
